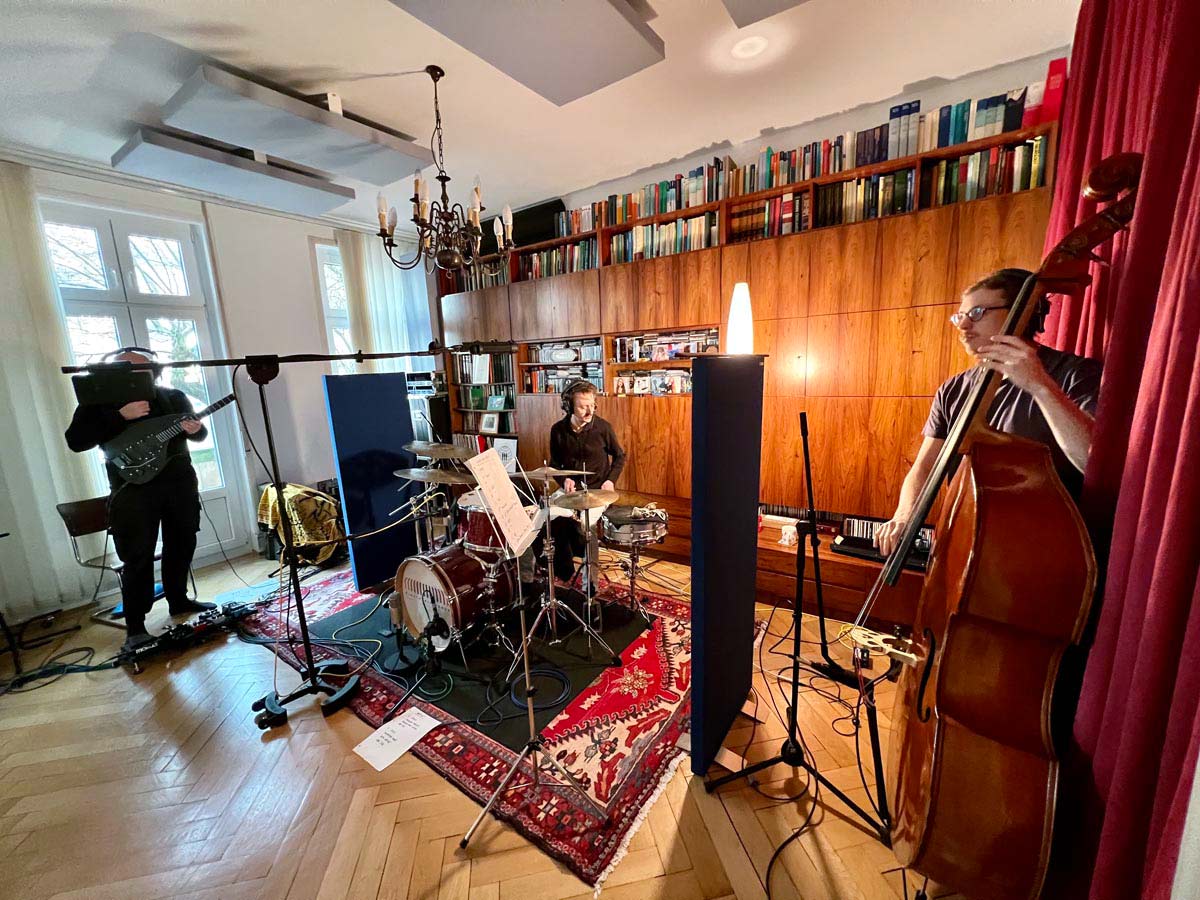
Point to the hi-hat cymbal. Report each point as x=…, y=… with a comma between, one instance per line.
x=436, y=476
x=439, y=451
x=585, y=499
x=543, y=472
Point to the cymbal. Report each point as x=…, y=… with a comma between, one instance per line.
x=585, y=499
x=436, y=476
x=439, y=451
x=543, y=472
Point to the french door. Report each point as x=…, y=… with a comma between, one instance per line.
x=126, y=280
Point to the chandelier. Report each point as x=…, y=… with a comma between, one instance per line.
x=448, y=237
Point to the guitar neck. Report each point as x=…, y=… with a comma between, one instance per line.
x=177, y=429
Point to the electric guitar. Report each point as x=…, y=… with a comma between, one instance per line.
x=140, y=451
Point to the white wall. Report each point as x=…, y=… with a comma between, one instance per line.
x=271, y=304
x=932, y=93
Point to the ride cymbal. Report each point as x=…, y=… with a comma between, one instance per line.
x=439, y=451
x=436, y=476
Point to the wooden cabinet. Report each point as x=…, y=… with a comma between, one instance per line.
x=699, y=294
x=560, y=306
x=669, y=292
x=481, y=315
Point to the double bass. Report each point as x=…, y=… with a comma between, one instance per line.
x=973, y=769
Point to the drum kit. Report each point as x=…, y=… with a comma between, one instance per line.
x=461, y=586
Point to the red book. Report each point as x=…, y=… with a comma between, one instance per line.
x=993, y=186
x=1056, y=86
x=826, y=168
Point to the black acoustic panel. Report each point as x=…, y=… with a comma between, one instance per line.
x=727, y=394
x=531, y=225
x=369, y=421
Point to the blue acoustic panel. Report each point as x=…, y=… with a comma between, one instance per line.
x=369, y=422
x=727, y=394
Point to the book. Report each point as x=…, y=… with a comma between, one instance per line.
x=943, y=127
x=1014, y=109
x=894, y=115
x=1034, y=93
x=1056, y=86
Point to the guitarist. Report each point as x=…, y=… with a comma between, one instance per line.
x=136, y=511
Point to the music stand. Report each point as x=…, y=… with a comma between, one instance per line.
x=533, y=748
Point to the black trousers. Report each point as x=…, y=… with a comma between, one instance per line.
x=136, y=512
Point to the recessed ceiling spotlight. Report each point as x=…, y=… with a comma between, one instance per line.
x=748, y=47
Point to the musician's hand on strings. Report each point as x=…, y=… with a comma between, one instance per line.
x=1016, y=360
x=887, y=535
x=568, y=484
x=607, y=486
x=135, y=410
x=190, y=426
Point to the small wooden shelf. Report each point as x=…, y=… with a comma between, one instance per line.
x=652, y=364
x=467, y=409
x=687, y=212
x=503, y=434
x=482, y=383
x=556, y=242
x=551, y=365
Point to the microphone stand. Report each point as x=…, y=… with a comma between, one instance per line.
x=792, y=752
x=263, y=369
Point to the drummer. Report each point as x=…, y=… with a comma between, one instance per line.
x=582, y=440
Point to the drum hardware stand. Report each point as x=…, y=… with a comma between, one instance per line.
x=792, y=752
x=551, y=605
x=430, y=663
x=263, y=369
x=534, y=749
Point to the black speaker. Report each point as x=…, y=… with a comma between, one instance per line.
x=531, y=225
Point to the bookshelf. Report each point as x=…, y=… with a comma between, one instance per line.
x=549, y=366
x=483, y=391
x=852, y=317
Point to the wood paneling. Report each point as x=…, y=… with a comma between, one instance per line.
x=844, y=269
x=894, y=436
x=839, y=437
x=910, y=350
x=781, y=474
x=618, y=298
x=656, y=433
x=575, y=303
x=779, y=276
x=523, y=305
x=788, y=363
x=459, y=318
x=657, y=292
x=998, y=232
x=699, y=288
x=917, y=258
x=494, y=324
x=839, y=355
x=735, y=267
x=535, y=414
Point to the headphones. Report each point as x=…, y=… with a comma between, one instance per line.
x=578, y=386
x=145, y=351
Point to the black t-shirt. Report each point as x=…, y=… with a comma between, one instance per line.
x=1016, y=412
x=92, y=426
x=594, y=448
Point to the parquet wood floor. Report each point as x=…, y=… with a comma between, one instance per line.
x=121, y=786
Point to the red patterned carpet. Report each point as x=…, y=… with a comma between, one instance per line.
x=618, y=737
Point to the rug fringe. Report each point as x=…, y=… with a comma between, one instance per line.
x=637, y=822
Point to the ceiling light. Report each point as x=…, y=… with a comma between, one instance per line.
x=748, y=47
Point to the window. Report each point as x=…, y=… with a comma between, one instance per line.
x=123, y=280
x=334, y=306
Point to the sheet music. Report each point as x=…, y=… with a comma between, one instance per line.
x=498, y=490
x=388, y=743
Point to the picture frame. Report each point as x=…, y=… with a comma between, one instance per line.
x=496, y=401
x=489, y=423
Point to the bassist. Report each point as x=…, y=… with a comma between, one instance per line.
x=136, y=511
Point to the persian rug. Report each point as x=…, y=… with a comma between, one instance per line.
x=619, y=737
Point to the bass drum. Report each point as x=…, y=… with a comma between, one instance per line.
x=452, y=586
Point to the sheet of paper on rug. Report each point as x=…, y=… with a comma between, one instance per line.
x=498, y=490
x=391, y=741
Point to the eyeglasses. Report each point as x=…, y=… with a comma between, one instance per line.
x=975, y=313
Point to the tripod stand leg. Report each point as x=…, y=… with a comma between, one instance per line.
x=567, y=777
x=487, y=807
x=592, y=634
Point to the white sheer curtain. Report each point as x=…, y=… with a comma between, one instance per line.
x=389, y=308
x=37, y=470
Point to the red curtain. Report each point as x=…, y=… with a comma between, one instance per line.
x=1134, y=85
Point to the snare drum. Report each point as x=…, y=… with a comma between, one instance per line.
x=628, y=526
x=475, y=528
x=451, y=584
